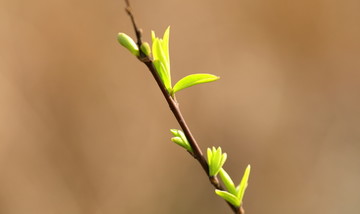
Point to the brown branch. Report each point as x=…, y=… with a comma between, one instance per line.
x=174, y=107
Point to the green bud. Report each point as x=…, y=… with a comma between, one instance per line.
x=216, y=159
x=174, y=132
x=128, y=43
x=145, y=48
x=178, y=141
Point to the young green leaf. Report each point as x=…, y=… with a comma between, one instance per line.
x=232, y=199
x=222, y=161
x=180, y=139
x=209, y=155
x=226, y=179
x=161, y=70
x=193, y=79
x=174, y=132
x=183, y=137
x=216, y=160
x=243, y=184
x=160, y=49
x=165, y=45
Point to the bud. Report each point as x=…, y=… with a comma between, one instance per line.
x=145, y=48
x=128, y=43
x=178, y=141
x=174, y=132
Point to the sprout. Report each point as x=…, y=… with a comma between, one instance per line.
x=216, y=160
x=128, y=43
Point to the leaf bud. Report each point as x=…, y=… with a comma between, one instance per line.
x=145, y=48
x=128, y=43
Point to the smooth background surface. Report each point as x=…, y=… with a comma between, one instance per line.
x=84, y=128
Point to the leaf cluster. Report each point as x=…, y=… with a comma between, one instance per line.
x=180, y=139
x=161, y=61
x=233, y=195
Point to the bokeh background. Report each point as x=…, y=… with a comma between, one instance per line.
x=84, y=128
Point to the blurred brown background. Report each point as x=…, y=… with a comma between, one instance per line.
x=84, y=128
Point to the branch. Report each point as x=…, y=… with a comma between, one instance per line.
x=174, y=107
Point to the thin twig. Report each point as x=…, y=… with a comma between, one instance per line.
x=174, y=107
